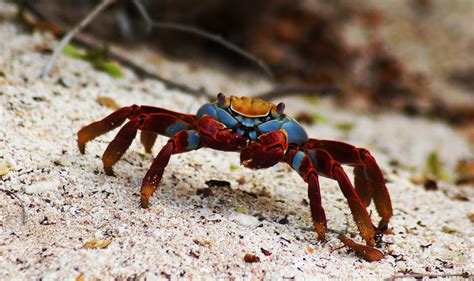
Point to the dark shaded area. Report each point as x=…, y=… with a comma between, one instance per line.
x=302, y=42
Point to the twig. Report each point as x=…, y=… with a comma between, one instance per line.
x=90, y=43
x=421, y=275
x=145, y=15
x=8, y=192
x=280, y=91
x=67, y=38
x=201, y=33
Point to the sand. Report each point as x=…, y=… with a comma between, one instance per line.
x=82, y=223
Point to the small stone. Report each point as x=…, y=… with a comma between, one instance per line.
x=5, y=169
x=204, y=192
x=309, y=249
x=251, y=258
x=283, y=220
x=108, y=102
x=43, y=186
x=242, y=210
x=202, y=242
x=245, y=219
x=471, y=217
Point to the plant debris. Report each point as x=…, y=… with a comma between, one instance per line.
x=434, y=164
x=449, y=230
x=465, y=171
x=265, y=252
x=108, y=102
x=97, y=244
x=98, y=58
x=430, y=184
x=251, y=258
x=218, y=183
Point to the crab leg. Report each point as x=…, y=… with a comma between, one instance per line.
x=100, y=127
x=148, y=140
x=116, y=119
x=331, y=168
x=152, y=124
x=302, y=163
x=266, y=152
x=369, y=180
x=181, y=142
x=119, y=145
x=208, y=133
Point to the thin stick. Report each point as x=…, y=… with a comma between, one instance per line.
x=67, y=38
x=201, y=33
x=280, y=91
x=421, y=275
x=8, y=192
x=91, y=43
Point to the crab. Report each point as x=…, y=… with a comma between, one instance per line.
x=264, y=135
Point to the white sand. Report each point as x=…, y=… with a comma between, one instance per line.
x=70, y=200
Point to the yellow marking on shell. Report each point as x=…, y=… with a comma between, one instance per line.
x=251, y=107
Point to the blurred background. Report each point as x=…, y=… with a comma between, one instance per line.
x=413, y=56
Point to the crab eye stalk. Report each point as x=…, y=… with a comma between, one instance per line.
x=280, y=108
x=220, y=99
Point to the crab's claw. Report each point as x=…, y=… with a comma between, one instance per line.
x=267, y=151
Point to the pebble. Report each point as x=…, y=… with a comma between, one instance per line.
x=245, y=219
x=43, y=186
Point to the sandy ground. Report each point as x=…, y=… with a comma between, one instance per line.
x=70, y=201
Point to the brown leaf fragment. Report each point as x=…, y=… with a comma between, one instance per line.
x=80, y=277
x=202, y=242
x=251, y=258
x=430, y=184
x=449, y=230
x=465, y=170
x=108, y=102
x=461, y=197
x=309, y=249
x=366, y=252
x=97, y=244
x=193, y=254
x=204, y=192
x=471, y=217
x=266, y=252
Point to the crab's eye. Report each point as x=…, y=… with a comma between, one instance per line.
x=280, y=108
x=220, y=99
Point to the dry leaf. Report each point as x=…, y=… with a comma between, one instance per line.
x=309, y=249
x=97, y=244
x=80, y=277
x=449, y=230
x=4, y=170
x=108, y=102
x=471, y=217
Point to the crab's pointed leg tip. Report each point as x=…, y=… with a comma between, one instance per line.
x=82, y=147
x=144, y=203
x=109, y=171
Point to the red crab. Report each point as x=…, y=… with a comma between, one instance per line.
x=264, y=135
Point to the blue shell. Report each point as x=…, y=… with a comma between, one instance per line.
x=176, y=127
x=193, y=140
x=253, y=127
x=297, y=159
